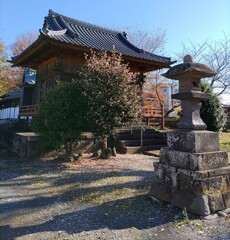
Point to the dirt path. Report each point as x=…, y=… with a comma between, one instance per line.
x=92, y=199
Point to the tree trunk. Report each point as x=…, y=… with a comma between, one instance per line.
x=105, y=143
x=68, y=148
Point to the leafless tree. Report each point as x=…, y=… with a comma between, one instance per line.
x=153, y=42
x=215, y=54
x=23, y=41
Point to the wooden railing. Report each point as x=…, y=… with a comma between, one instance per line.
x=154, y=114
x=29, y=110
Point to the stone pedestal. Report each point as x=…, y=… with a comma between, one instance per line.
x=192, y=173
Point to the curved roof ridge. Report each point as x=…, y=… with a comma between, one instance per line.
x=127, y=42
x=84, y=24
x=62, y=23
x=156, y=55
x=53, y=20
x=56, y=32
x=139, y=50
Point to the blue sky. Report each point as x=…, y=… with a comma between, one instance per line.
x=183, y=20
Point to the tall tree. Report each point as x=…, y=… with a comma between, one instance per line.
x=11, y=77
x=22, y=42
x=154, y=42
x=3, y=59
x=154, y=91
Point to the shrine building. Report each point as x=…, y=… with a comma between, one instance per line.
x=59, y=52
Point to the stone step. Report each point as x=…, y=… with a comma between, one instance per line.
x=134, y=127
x=137, y=136
x=146, y=142
x=136, y=131
x=130, y=142
x=139, y=149
x=154, y=153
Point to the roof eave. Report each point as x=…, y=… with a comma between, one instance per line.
x=44, y=40
x=17, y=60
x=87, y=49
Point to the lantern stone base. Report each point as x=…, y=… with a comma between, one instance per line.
x=197, y=181
x=193, y=141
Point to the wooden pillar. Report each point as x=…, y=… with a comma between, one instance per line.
x=162, y=118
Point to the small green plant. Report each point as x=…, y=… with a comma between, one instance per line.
x=184, y=220
x=187, y=220
x=185, y=214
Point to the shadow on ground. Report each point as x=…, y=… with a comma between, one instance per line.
x=137, y=212
x=88, y=206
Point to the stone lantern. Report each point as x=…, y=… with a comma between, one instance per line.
x=189, y=75
x=192, y=172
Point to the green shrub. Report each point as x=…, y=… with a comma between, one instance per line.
x=61, y=116
x=212, y=113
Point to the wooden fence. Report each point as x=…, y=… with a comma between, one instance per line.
x=154, y=116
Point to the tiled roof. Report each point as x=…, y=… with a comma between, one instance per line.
x=71, y=31
x=11, y=95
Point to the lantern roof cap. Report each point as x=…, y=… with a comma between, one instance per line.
x=189, y=68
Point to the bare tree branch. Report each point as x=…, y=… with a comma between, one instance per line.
x=153, y=42
x=215, y=54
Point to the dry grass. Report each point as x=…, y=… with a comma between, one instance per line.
x=224, y=140
x=120, y=178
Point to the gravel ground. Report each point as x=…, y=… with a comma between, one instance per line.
x=92, y=199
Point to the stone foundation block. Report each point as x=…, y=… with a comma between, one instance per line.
x=175, y=158
x=222, y=171
x=227, y=179
x=194, y=203
x=226, y=198
x=193, y=161
x=165, y=175
x=193, y=141
x=216, y=202
x=161, y=191
x=209, y=185
x=185, y=181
